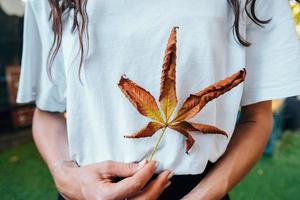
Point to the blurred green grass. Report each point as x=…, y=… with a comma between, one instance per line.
x=277, y=177
x=23, y=175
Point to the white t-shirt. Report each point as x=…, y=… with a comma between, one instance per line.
x=130, y=37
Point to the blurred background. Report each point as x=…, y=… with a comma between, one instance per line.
x=23, y=175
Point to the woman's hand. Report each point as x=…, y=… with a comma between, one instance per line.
x=95, y=181
x=155, y=188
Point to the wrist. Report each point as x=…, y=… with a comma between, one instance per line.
x=64, y=173
x=62, y=168
x=208, y=191
x=199, y=194
x=68, y=163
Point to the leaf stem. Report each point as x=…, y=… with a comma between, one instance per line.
x=157, y=143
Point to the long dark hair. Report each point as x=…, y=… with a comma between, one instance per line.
x=80, y=22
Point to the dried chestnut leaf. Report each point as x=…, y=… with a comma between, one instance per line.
x=168, y=98
x=141, y=99
x=195, y=102
x=203, y=128
x=149, y=130
x=189, y=139
x=145, y=103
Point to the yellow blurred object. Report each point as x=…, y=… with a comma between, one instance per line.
x=296, y=13
x=14, y=159
x=276, y=105
x=260, y=172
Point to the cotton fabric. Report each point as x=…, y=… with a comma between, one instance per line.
x=129, y=37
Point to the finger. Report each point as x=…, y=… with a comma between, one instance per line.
x=65, y=196
x=118, y=169
x=130, y=186
x=156, y=187
x=68, y=197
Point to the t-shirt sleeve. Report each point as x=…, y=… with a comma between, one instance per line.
x=34, y=84
x=273, y=59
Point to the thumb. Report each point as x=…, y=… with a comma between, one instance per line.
x=121, y=169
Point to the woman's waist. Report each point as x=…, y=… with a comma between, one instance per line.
x=169, y=157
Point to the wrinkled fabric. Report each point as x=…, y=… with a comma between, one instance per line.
x=129, y=37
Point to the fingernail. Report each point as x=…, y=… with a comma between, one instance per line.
x=168, y=184
x=142, y=164
x=156, y=164
x=171, y=174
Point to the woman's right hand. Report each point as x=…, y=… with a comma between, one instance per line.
x=95, y=181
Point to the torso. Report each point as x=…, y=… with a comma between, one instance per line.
x=129, y=37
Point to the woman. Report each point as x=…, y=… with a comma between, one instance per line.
x=95, y=42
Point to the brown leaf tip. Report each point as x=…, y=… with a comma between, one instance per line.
x=243, y=73
x=175, y=27
x=128, y=136
x=174, y=30
x=122, y=79
x=135, y=136
x=225, y=134
x=131, y=136
x=172, y=39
